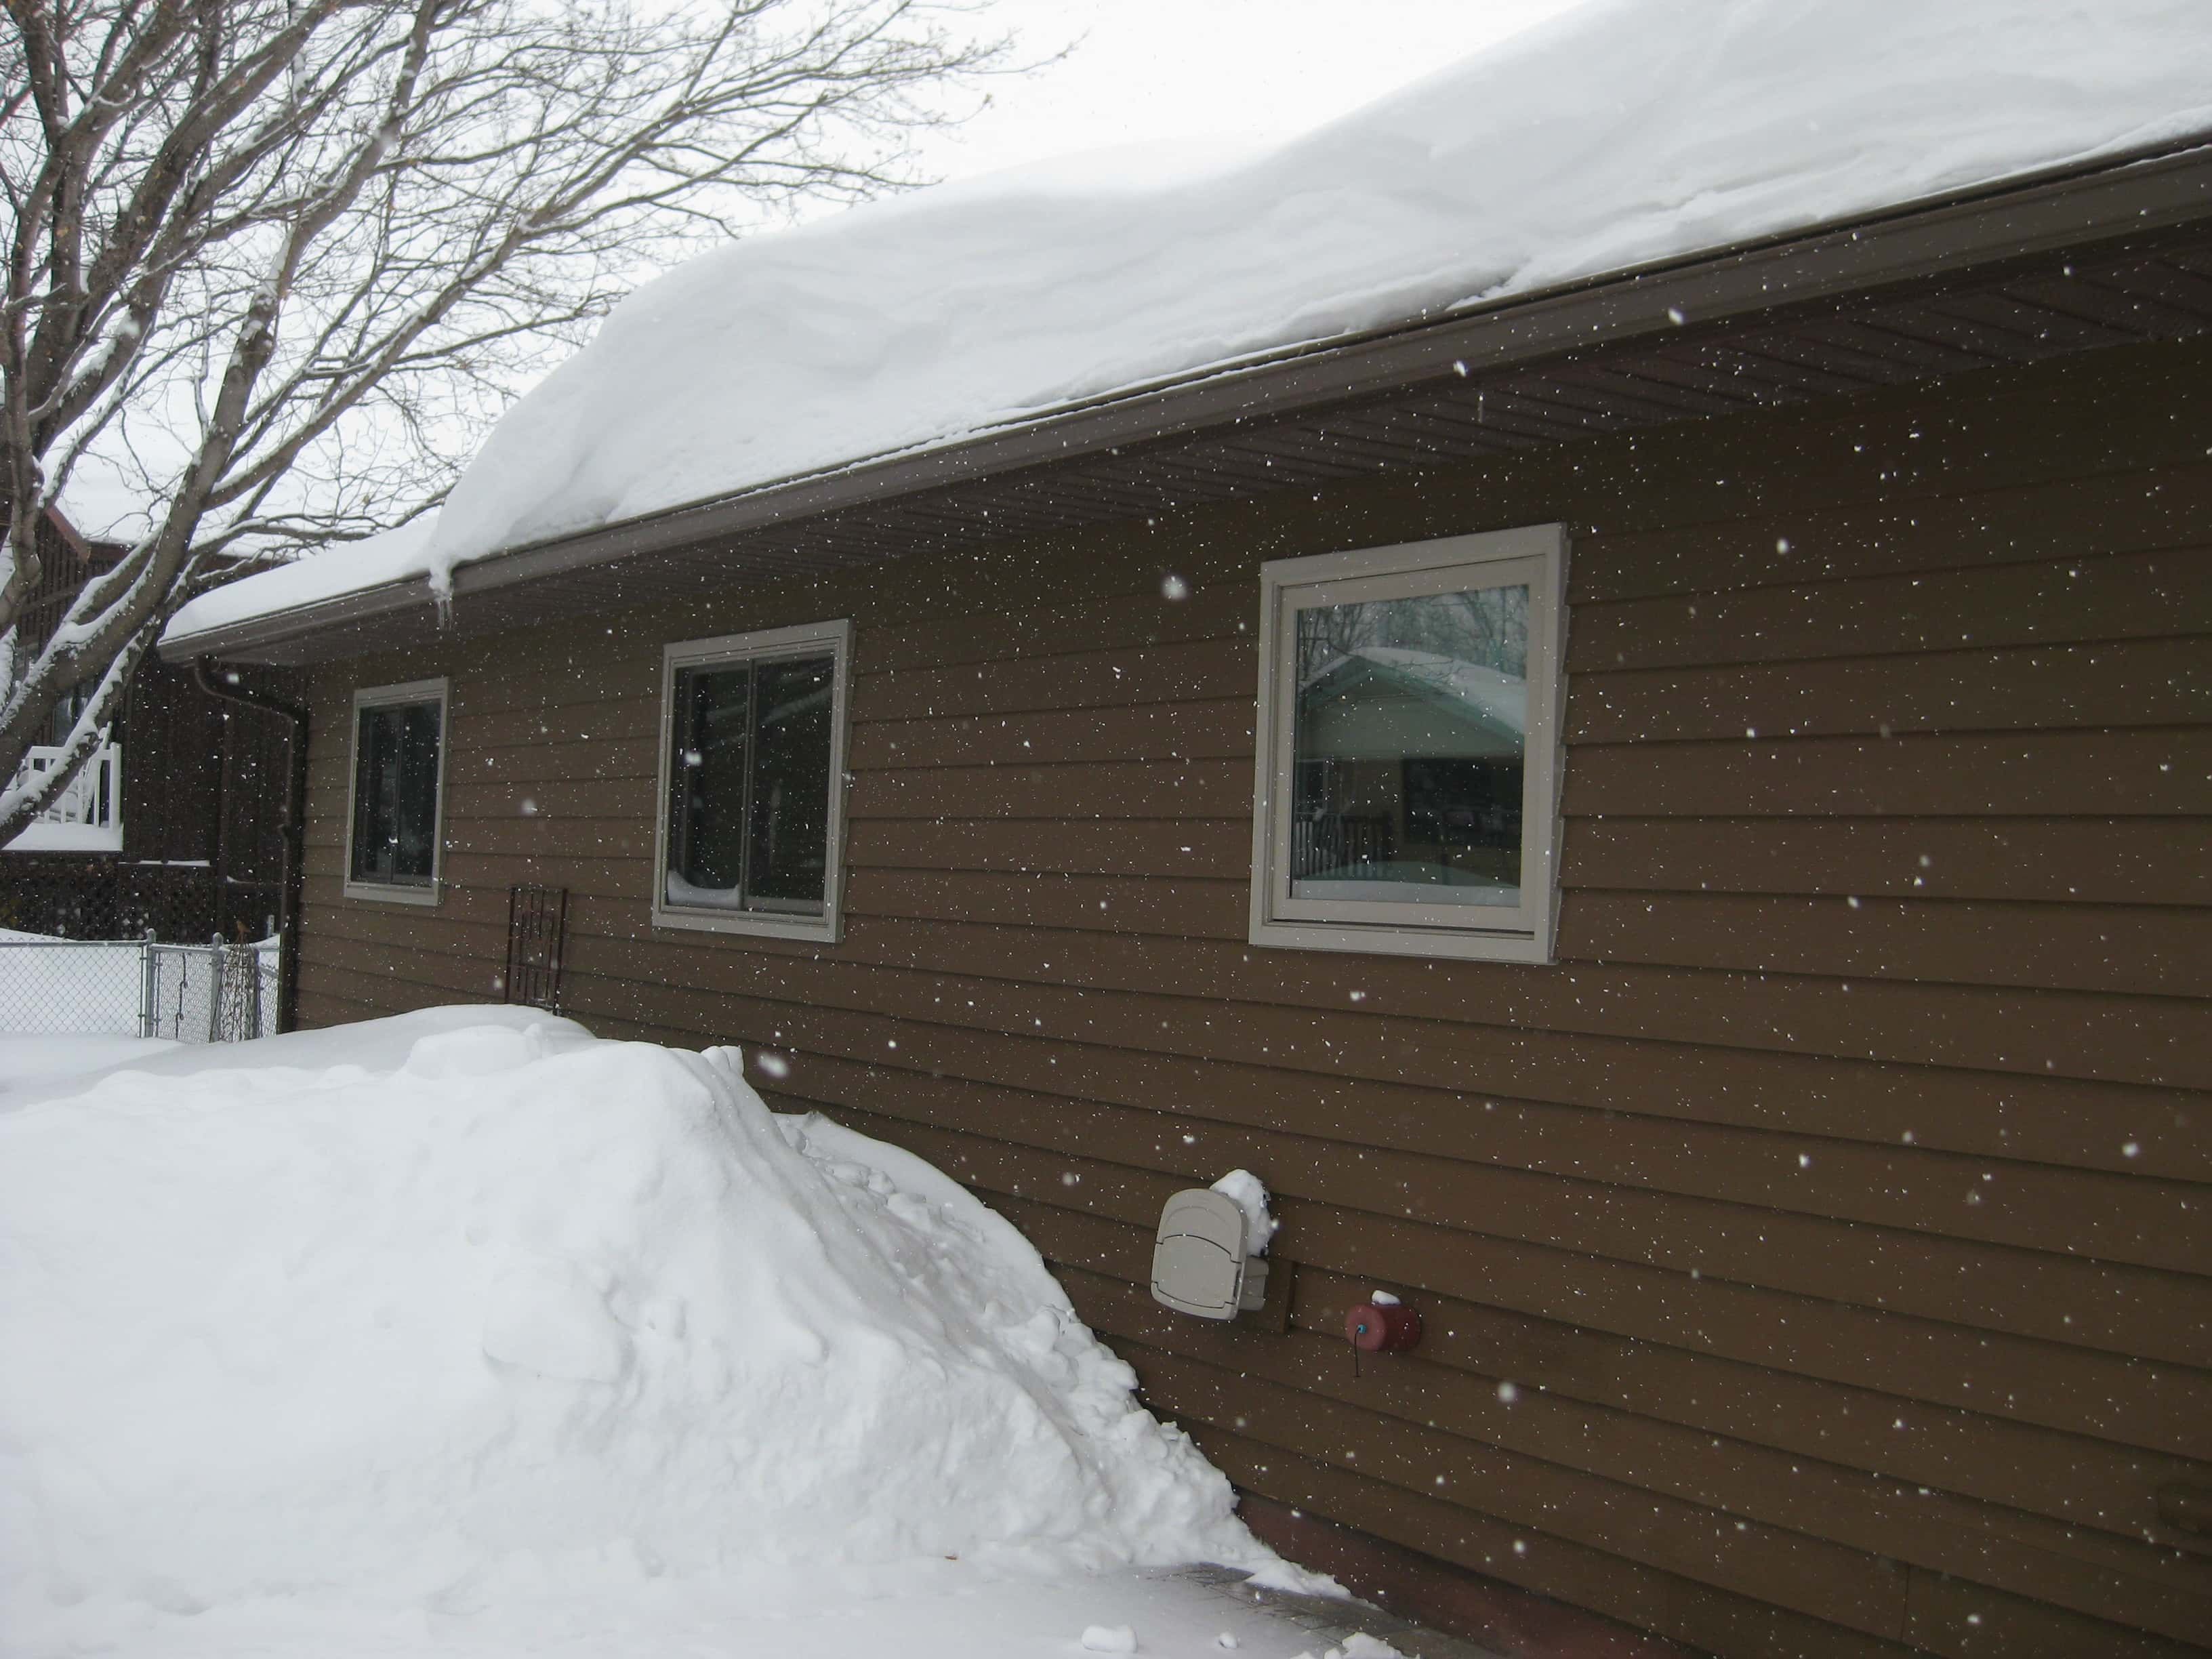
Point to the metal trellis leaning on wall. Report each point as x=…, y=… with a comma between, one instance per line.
x=537, y=936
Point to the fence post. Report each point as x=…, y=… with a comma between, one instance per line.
x=214, y=990
x=146, y=984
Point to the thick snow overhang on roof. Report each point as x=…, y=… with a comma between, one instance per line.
x=2072, y=259
x=1467, y=691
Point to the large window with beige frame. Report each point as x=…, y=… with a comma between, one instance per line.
x=752, y=760
x=1408, y=748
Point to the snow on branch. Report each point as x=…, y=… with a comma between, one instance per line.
x=274, y=265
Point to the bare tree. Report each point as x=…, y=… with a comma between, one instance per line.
x=277, y=259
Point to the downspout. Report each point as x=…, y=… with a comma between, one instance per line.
x=294, y=829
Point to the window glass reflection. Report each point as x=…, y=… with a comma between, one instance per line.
x=713, y=732
x=395, y=792
x=749, y=785
x=790, y=851
x=1409, y=744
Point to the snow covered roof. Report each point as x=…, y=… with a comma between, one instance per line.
x=1481, y=692
x=1625, y=133
x=394, y=556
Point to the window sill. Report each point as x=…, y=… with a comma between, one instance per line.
x=818, y=930
x=1380, y=939
x=380, y=892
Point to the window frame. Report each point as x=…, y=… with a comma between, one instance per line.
x=764, y=645
x=440, y=691
x=1404, y=570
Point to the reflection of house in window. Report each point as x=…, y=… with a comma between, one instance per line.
x=1408, y=768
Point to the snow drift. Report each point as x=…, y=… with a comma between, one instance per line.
x=1626, y=131
x=467, y=1305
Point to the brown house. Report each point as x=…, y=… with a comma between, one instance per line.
x=1666, y=818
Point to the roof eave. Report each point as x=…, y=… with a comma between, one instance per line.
x=2041, y=213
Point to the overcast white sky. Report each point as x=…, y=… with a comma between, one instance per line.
x=1149, y=70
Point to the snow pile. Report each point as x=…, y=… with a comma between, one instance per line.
x=467, y=1309
x=1626, y=131
x=41, y=836
x=1359, y=1646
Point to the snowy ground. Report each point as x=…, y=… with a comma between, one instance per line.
x=952, y=1611
x=39, y=1068
x=467, y=1332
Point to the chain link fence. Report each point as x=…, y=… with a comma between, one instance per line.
x=212, y=993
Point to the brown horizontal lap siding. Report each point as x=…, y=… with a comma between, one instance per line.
x=2158, y=681
x=1947, y=1099
x=1731, y=1477
x=2158, y=771
x=1839, y=1204
x=2112, y=596
x=2088, y=859
x=2065, y=1299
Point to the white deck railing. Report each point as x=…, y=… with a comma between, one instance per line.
x=88, y=815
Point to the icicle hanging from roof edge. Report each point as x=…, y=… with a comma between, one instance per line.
x=440, y=575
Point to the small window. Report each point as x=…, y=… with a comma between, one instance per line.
x=751, y=787
x=72, y=704
x=392, y=836
x=1408, y=764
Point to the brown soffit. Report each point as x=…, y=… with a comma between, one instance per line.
x=2038, y=214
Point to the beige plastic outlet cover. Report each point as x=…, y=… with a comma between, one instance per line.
x=1198, y=1260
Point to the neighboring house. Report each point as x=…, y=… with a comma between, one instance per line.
x=175, y=825
x=88, y=817
x=1410, y=768
x=1706, y=903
